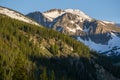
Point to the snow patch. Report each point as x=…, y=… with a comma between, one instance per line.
x=79, y=13
x=102, y=23
x=113, y=42
x=16, y=15
x=86, y=29
x=108, y=34
x=53, y=15
x=108, y=22
x=92, y=45
x=78, y=27
x=71, y=30
x=72, y=22
x=74, y=29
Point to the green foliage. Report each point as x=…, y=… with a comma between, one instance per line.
x=20, y=73
x=44, y=76
x=1, y=69
x=52, y=75
x=21, y=54
x=54, y=49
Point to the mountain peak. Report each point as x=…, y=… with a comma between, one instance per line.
x=36, y=12
x=54, y=10
x=79, y=13
x=53, y=13
x=94, y=33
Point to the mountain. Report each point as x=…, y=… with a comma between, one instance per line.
x=31, y=52
x=101, y=36
x=16, y=15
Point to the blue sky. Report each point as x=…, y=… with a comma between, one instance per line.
x=98, y=9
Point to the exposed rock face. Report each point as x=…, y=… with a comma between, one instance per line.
x=101, y=36
x=39, y=17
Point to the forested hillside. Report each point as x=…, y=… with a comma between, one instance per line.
x=29, y=52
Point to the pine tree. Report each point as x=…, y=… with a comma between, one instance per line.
x=54, y=49
x=52, y=75
x=19, y=72
x=44, y=76
x=1, y=69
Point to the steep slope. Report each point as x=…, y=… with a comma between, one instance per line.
x=101, y=36
x=82, y=16
x=15, y=15
x=29, y=52
x=52, y=14
x=40, y=18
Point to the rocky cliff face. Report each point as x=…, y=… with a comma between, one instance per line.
x=101, y=36
x=39, y=17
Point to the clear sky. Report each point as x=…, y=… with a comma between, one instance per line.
x=98, y=9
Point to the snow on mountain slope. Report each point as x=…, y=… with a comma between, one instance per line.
x=108, y=22
x=16, y=15
x=92, y=45
x=113, y=43
x=75, y=29
x=101, y=36
x=79, y=13
x=52, y=14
